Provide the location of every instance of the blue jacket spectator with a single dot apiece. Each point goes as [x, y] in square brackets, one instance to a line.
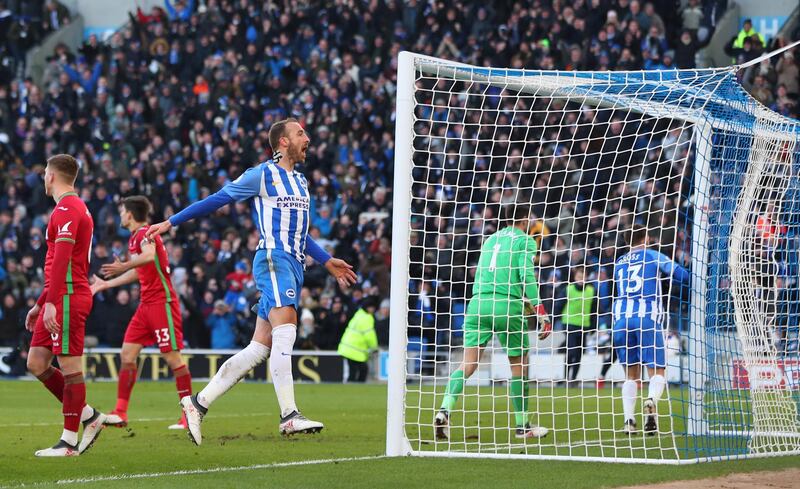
[222, 324]
[88, 78]
[181, 11]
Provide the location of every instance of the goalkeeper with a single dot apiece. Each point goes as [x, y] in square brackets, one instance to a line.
[504, 296]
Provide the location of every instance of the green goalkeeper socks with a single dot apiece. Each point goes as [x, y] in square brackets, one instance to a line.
[454, 388]
[518, 388]
[519, 395]
[525, 397]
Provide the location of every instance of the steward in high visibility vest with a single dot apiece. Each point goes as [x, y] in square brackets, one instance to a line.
[748, 32]
[748, 44]
[359, 340]
[578, 310]
[579, 316]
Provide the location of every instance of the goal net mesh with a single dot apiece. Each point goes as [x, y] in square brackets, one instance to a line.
[688, 155]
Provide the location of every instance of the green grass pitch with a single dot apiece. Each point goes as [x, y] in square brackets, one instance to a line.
[242, 431]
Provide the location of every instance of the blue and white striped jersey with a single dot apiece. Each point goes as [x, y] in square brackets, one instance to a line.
[280, 202]
[637, 284]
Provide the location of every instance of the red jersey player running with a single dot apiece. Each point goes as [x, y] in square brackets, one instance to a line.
[158, 318]
[58, 320]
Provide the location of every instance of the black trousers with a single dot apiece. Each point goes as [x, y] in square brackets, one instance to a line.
[576, 337]
[358, 371]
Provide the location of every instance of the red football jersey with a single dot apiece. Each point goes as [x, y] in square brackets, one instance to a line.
[70, 221]
[154, 277]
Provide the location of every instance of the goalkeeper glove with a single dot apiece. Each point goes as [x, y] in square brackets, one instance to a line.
[545, 326]
[542, 320]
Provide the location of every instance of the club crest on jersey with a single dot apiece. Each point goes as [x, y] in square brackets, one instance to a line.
[65, 228]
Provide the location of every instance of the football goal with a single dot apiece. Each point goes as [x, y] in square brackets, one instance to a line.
[688, 155]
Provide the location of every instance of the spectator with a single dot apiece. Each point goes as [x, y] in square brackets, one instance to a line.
[222, 325]
[784, 104]
[692, 17]
[55, 16]
[749, 50]
[761, 91]
[156, 15]
[332, 318]
[238, 281]
[655, 19]
[306, 331]
[14, 364]
[207, 304]
[685, 51]
[789, 74]
[635, 14]
[322, 220]
[12, 317]
[382, 324]
[181, 11]
[655, 44]
[122, 312]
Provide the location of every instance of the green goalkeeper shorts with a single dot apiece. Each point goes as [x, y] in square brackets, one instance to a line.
[489, 315]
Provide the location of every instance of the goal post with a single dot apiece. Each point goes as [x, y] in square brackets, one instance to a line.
[690, 156]
[696, 347]
[396, 442]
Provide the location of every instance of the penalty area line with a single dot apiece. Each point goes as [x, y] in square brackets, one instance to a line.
[215, 470]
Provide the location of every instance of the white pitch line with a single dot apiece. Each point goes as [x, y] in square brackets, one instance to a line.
[171, 418]
[622, 437]
[151, 475]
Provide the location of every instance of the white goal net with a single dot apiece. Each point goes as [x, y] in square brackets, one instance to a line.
[688, 159]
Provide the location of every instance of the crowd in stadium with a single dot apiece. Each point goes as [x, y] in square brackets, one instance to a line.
[180, 100]
[24, 24]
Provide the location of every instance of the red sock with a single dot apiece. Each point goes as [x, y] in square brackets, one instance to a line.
[127, 379]
[183, 381]
[74, 400]
[53, 379]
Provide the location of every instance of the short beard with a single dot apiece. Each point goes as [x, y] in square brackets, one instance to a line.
[296, 155]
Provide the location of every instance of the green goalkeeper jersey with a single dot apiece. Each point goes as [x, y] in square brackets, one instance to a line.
[506, 266]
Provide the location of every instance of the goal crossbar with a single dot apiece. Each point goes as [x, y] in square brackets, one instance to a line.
[680, 95]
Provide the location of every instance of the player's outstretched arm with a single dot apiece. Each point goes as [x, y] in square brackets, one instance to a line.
[672, 269]
[158, 228]
[340, 269]
[147, 255]
[99, 285]
[246, 186]
[198, 209]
